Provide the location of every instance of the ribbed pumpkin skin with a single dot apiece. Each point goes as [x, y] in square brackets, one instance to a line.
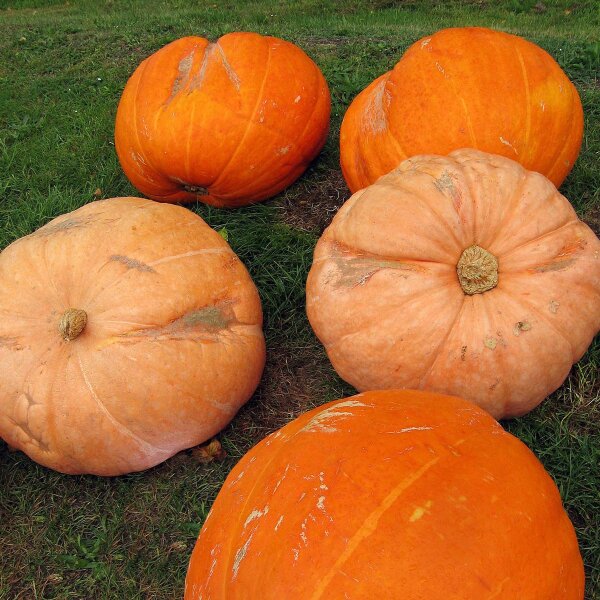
[399, 495]
[172, 348]
[239, 119]
[384, 298]
[465, 87]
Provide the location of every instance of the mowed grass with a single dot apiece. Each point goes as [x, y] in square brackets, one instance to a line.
[62, 69]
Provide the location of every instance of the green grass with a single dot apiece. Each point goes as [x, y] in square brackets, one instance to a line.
[62, 68]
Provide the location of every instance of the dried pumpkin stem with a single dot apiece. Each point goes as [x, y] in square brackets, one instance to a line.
[72, 323]
[196, 189]
[477, 270]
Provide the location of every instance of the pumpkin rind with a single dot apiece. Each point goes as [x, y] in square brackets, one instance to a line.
[170, 347]
[391, 494]
[227, 123]
[385, 299]
[467, 87]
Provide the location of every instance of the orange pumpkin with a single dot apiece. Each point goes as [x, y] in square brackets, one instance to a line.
[465, 275]
[466, 87]
[391, 494]
[129, 330]
[227, 123]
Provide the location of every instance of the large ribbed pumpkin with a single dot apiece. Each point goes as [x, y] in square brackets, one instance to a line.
[129, 330]
[465, 87]
[465, 275]
[228, 123]
[397, 495]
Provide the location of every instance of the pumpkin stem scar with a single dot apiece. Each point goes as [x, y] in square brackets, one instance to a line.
[477, 270]
[195, 189]
[72, 323]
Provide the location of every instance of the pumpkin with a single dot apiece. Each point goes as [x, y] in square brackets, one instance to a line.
[389, 494]
[129, 331]
[227, 123]
[466, 87]
[465, 275]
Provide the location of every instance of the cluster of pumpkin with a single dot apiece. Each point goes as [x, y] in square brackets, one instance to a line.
[452, 270]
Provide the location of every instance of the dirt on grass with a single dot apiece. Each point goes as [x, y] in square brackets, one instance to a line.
[592, 218]
[310, 205]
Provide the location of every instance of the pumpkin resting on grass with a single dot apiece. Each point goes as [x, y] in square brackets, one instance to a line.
[227, 123]
[465, 87]
[465, 275]
[392, 494]
[129, 330]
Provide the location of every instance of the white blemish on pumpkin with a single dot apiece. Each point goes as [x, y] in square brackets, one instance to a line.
[239, 556]
[302, 496]
[542, 106]
[425, 42]
[374, 117]
[279, 522]
[553, 306]
[297, 99]
[284, 149]
[441, 70]
[317, 423]
[321, 503]
[296, 553]
[282, 478]
[255, 514]
[420, 511]
[507, 143]
[423, 428]
[138, 158]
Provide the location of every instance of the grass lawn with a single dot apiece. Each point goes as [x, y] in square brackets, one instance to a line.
[63, 66]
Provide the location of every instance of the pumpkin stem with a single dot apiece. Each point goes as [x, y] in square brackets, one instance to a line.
[477, 270]
[196, 189]
[72, 323]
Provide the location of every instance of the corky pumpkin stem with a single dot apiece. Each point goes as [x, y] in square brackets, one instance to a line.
[72, 323]
[477, 270]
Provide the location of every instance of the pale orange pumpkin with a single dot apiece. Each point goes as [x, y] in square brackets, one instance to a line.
[398, 495]
[129, 331]
[465, 275]
[227, 123]
[465, 87]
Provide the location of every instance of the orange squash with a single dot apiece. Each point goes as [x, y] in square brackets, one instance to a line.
[391, 494]
[227, 123]
[465, 275]
[129, 331]
[466, 87]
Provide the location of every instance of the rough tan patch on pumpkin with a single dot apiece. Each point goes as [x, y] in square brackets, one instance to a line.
[564, 258]
[7, 341]
[202, 324]
[67, 225]
[199, 78]
[521, 326]
[490, 343]
[359, 270]
[183, 74]
[132, 263]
